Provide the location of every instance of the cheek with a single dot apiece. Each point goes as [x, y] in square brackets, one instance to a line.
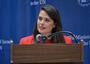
[50, 27]
[37, 24]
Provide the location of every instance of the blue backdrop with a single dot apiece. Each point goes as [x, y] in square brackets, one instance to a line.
[17, 18]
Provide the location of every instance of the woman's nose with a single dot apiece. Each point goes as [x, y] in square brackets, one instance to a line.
[42, 21]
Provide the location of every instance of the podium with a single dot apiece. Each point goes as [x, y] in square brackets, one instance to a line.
[48, 53]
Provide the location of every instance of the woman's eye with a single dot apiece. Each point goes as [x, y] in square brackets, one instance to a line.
[40, 18]
[47, 20]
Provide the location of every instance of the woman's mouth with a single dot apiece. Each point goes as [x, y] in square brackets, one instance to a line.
[41, 28]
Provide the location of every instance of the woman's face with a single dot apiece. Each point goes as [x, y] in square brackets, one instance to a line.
[44, 24]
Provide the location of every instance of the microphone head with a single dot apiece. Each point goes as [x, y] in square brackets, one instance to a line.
[40, 38]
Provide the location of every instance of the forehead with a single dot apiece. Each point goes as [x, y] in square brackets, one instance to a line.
[43, 13]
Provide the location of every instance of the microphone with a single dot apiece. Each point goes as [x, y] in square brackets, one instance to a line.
[40, 38]
[65, 32]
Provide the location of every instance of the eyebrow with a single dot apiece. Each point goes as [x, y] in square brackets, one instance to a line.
[45, 17]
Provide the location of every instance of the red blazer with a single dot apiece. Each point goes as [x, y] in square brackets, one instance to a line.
[30, 40]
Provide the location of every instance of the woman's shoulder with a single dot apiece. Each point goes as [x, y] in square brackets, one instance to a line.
[27, 40]
[67, 39]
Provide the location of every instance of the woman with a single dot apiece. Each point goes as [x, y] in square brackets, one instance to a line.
[48, 22]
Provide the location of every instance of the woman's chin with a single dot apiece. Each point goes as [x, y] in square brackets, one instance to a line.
[42, 32]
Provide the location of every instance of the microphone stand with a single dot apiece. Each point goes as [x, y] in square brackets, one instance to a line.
[61, 32]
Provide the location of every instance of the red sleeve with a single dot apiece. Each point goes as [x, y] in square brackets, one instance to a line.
[68, 40]
[27, 40]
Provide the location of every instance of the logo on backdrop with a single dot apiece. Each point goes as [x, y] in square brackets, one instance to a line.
[83, 3]
[85, 38]
[38, 2]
